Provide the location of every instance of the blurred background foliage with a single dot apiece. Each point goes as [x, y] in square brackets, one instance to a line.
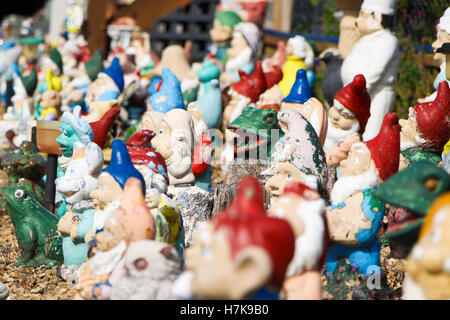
[415, 28]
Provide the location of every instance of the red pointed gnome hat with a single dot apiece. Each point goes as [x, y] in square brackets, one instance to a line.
[355, 97]
[273, 76]
[245, 87]
[385, 147]
[102, 126]
[433, 117]
[258, 78]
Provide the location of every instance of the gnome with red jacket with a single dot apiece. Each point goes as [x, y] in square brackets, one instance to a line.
[355, 216]
[427, 129]
[304, 209]
[347, 120]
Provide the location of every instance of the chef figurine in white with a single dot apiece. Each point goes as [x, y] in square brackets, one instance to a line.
[375, 55]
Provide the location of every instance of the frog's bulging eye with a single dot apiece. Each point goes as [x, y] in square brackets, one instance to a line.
[269, 119]
[19, 193]
[431, 184]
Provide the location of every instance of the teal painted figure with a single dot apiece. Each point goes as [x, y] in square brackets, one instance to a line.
[35, 228]
[210, 104]
[76, 185]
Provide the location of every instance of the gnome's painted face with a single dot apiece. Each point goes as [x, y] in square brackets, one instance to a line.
[108, 190]
[67, 139]
[441, 37]
[341, 117]
[220, 32]
[101, 85]
[238, 44]
[358, 161]
[409, 133]
[286, 172]
[368, 22]
[113, 233]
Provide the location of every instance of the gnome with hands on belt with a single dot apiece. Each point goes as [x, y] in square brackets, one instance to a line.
[376, 56]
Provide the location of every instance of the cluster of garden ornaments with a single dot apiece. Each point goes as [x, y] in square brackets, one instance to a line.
[227, 179]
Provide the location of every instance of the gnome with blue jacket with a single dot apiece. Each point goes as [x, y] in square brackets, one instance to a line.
[104, 92]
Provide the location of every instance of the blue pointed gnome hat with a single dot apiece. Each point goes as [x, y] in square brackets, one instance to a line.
[81, 127]
[169, 96]
[114, 71]
[300, 91]
[120, 167]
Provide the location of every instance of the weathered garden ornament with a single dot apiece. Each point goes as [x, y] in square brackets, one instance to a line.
[375, 56]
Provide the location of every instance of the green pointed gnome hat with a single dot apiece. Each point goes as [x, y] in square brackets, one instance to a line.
[95, 65]
[228, 18]
[30, 82]
[57, 59]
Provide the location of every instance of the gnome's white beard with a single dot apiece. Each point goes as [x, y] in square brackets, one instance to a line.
[346, 186]
[309, 246]
[101, 216]
[182, 286]
[336, 135]
[104, 261]
[243, 58]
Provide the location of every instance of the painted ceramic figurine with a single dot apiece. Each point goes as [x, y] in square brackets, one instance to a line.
[298, 156]
[410, 193]
[304, 209]
[169, 96]
[300, 100]
[35, 228]
[347, 120]
[297, 52]
[246, 255]
[355, 215]
[209, 105]
[427, 128]
[221, 34]
[79, 180]
[155, 264]
[427, 275]
[375, 55]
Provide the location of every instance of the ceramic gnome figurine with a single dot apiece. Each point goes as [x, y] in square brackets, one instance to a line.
[246, 255]
[304, 209]
[221, 34]
[22, 98]
[297, 56]
[347, 120]
[110, 186]
[102, 128]
[169, 96]
[427, 276]
[104, 92]
[427, 128]
[300, 100]
[78, 181]
[355, 216]
[50, 104]
[298, 156]
[241, 54]
[442, 36]
[375, 55]
[130, 222]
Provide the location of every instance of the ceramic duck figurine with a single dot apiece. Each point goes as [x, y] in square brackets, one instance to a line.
[304, 209]
[206, 73]
[210, 105]
[347, 120]
[78, 181]
[243, 231]
[355, 215]
[169, 96]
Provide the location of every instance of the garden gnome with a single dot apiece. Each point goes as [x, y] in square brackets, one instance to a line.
[104, 92]
[50, 104]
[221, 34]
[52, 69]
[300, 100]
[78, 181]
[355, 216]
[22, 99]
[110, 185]
[298, 156]
[100, 128]
[347, 120]
[442, 36]
[428, 123]
[174, 140]
[130, 222]
[169, 96]
[296, 51]
[73, 128]
[155, 264]
[375, 55]
[241, 54]
[246, 256]
[304, 209]
[427, 276]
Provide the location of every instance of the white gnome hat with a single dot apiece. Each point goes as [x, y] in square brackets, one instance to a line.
[444, 22]
[299, 45]
[250, 32]
[379, 6]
